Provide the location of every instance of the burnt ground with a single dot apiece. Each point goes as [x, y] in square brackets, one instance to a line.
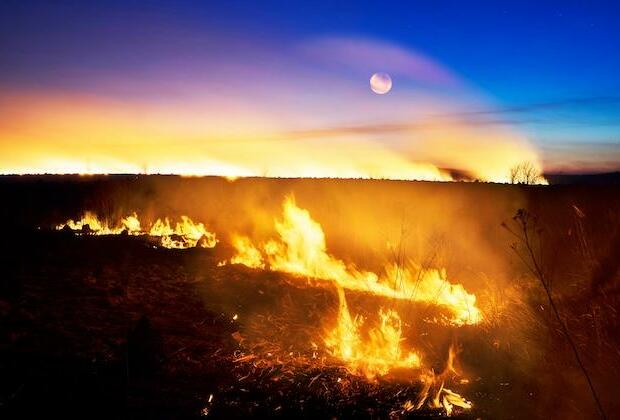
[113, 327]
[102, 326]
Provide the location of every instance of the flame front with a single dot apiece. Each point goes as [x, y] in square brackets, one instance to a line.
[91, 224]
[247, 254]
[184, 234]
[367, 350]
[381, 353]
[301, 250]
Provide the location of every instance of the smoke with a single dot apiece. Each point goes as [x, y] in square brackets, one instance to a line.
[309, 114]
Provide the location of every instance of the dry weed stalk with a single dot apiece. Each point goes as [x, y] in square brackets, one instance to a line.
[528, 230]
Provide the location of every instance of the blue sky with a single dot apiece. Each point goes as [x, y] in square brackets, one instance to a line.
[549, 69]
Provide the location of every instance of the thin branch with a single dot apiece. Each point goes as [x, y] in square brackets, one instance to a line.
[522, 218]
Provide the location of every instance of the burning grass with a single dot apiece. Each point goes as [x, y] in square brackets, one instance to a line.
[271, 357]
[288, 326]
[301, 250]
[369, 352]
[180, 235]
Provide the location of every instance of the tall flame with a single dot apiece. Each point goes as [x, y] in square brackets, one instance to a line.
[370, 351]
[376, 355]
[301, 250]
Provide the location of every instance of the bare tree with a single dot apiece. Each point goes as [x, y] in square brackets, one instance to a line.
[525, 173]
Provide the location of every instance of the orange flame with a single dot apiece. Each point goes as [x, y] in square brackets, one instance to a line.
[377, 350]
[301, 250]
[185, 234]
[375, 356]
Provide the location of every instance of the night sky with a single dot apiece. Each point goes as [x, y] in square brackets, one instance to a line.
[208, 74]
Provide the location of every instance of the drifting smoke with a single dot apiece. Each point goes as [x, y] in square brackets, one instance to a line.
[340, 131]
[302, 250]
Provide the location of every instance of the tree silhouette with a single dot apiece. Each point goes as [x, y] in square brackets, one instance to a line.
[525, 173]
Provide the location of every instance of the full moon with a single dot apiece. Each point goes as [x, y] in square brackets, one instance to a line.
[380, 83]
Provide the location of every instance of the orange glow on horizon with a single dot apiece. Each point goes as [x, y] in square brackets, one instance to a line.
[61, 134]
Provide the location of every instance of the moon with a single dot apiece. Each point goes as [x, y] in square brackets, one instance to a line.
[380, 83]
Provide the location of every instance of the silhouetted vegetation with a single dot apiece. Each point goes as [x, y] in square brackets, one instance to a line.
[525, 173]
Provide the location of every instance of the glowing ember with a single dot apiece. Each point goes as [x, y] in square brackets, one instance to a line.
[184, 234]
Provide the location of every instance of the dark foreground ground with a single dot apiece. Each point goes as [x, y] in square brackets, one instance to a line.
[112, 327]
[103, 328]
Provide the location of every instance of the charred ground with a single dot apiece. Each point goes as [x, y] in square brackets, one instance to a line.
[114, 327]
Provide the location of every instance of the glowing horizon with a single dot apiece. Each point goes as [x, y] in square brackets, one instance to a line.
[51, 131]
[202, 100]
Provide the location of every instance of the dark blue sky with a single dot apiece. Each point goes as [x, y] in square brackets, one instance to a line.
[557, 61]
[520, 50]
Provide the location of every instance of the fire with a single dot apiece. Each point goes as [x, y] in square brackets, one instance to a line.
[91, 223]
[381, 352]
[247, 254]
[301, 250]
[184, 234]
[375, 356]
[434, 394]
[131, 223]
[364, 349]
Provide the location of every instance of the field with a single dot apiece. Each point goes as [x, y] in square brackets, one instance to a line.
[118, 326]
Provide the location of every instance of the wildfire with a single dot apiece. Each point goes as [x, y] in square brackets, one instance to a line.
[91, 224]
[369, 351]
[184, 234]
[434, 394]
[301, 250]
[381, 353]
[375, 356]
[247, 254]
